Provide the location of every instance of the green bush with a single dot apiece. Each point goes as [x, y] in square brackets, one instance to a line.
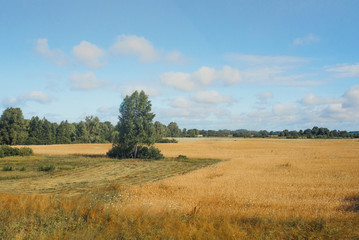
[25, 151]
[149, 153]
[143, 152]
[120, 151]
[6, 151]
[182, 157]
[46, 168]
[7, 168]
[166, 140]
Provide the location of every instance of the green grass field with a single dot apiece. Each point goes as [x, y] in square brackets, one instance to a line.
[71, 174]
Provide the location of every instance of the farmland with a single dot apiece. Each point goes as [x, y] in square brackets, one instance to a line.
[261, 188]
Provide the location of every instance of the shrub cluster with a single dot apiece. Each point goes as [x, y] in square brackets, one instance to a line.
[6, 151]
[7, 168]
[166, 140]
[46, 168]
[143, 152]
[149, 153]
[182, 157]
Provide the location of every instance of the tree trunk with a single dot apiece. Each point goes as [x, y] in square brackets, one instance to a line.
[135, 154]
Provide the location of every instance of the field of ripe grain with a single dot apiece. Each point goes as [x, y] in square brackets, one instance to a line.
[267, 189]
[263, 177]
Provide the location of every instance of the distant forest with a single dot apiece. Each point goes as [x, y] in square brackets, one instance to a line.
[16, 130]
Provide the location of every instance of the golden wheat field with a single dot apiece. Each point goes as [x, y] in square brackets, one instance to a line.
[262, 177]
[262, 188]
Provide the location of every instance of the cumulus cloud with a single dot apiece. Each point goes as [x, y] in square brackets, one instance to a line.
[10, 102]
[229, 75]
[277, 76]
[306, 40]
[283, 109]
[343, 108]
[181, 102]
[351, 97]
[273, 70]
[176, 57]
[265, 60]
[127, 45]
[210, 97]
[85, 81]
[345, 70]
[54, 55]
[263, 97]
[34, 96]
[205, 75]
[201, 78]
[313, 99]
[89, 54]
[179, 80]
[150, 91]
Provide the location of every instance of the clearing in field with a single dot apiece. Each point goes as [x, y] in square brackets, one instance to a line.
[266, 189]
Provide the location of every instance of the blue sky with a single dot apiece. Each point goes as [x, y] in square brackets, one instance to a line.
[271, 65]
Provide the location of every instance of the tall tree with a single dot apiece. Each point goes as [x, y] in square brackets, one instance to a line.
[135, 124]
[160, 130]
[93, 127]
[65, 133]
[12, 127]
[173, 130]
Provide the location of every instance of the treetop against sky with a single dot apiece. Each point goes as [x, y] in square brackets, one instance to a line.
[204, 64]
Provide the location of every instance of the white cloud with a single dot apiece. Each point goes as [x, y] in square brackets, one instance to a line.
[210, 97]
[284, 109]
[181, 102]
[277, 76]
[343, 108]
[54, 55]
[345, 70]
[179, 80]
[150, 91]
[306, 40]
[205, 75]
[351, 97]
[312, 99]
[201, 78]
[126, 45]
[10, 102]
[263, 97]
[85, 81]
[34, 96]
[229, 75]
[265, 60]
[89, 54]
[176, 57]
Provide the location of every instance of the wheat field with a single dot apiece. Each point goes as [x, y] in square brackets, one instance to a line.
[262, 177]
[264, 189]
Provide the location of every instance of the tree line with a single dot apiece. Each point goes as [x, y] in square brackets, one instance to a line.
[315, 132]
[16, 130]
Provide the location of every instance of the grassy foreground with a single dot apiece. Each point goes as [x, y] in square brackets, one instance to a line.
[86, 217]
[269, 189]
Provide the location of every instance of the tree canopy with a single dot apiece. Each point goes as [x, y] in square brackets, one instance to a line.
[13, 127]
[135, 127]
